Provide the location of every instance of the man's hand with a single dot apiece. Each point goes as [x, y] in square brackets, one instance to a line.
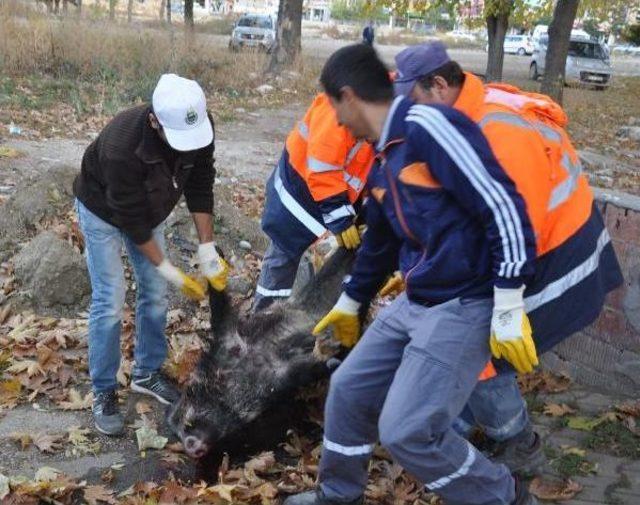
[213, 267]
[349, 238]
[182, 281]
[344, 320]
[394, 286]
[511, 331]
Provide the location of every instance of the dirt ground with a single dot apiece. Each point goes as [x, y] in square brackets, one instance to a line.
[246, 151]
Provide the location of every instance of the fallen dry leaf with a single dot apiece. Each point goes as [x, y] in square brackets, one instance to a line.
[558, 410]
[542, 381]
[148, 438]
[47, 474]
[47, 443]
[10, 392]
[75, 401]
[94, 495]
[9, 152]
[556, 490]
[631, 408]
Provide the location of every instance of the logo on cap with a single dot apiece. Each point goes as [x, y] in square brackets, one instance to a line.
[192, 116]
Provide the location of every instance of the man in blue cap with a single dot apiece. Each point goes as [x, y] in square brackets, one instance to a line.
[526, 134]
[443, 211]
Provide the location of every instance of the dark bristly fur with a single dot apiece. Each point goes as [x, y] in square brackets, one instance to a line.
[253, 366]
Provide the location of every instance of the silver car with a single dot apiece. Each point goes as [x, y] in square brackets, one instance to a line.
[254, 30]
[587, 62]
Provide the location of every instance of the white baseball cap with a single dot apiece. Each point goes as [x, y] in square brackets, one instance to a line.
[181, 109]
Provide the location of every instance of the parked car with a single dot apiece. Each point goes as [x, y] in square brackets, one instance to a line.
[587, 62]
[518, 44]
[461, 35]
[626, 49]
[255, 31]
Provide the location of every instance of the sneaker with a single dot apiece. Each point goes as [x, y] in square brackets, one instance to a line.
[520, 456]
[157, 385]
[523, 496]
[106, 413]
[317, 498]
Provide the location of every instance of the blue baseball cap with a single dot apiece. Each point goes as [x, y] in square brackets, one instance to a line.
[417, 61]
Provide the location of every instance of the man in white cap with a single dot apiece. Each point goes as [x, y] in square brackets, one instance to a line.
[132, 176]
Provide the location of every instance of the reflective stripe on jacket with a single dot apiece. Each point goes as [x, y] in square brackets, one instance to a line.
[526, 133]
[576, 265]
[442, 210]
[318, 182]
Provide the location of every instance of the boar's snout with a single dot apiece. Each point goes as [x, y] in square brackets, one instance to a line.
[195, 447]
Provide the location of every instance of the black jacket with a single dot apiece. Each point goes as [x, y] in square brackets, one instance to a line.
[132, 179]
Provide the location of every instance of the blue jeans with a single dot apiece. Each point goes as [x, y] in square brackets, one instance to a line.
[103, 251]
[496, 405]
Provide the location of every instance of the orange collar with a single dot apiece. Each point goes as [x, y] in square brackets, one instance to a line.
[471, 97]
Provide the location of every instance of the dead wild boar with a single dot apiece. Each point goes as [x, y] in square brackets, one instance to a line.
[254, 365]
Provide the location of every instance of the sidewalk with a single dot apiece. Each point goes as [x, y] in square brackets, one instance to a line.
[606, 478]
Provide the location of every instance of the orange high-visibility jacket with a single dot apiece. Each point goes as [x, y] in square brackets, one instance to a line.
[576, 265]
[329, 159]
[318, 182]
[526, 133]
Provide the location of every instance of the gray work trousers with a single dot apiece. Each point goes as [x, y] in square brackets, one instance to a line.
[276, 279]
[404, 384]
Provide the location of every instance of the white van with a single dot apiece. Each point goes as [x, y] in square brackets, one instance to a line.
[587, 62]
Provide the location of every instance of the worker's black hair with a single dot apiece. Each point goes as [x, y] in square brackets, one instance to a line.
[450, 72]
[359, 67]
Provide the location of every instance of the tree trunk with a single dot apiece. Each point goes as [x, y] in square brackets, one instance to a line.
[188, 15]
[497, 25]
[169, 11]
[161, 12]
[112, 9]
[559, 36]
[288, 32]
[129, 10]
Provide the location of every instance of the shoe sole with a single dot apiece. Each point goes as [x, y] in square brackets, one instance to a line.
[148, 392]
[109, 434]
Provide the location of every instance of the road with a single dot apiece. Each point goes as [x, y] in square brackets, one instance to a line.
[515, 67]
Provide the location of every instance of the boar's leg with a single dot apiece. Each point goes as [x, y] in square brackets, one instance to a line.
[320, 294]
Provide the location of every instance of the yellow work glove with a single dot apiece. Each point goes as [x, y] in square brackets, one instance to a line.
[349, 238]
[343, 317]
[213, 266]
[511, 337]
[189, 286]
[394, 286]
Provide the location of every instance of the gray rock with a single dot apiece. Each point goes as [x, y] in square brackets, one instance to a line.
[265, 89]
[244, 244]
[53, 275]
[35, 199]
[630, 132]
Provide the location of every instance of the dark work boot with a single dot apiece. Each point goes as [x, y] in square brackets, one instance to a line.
[317, 498]
[106, 413]
[157, 385]
[522, 454]
[523, 496]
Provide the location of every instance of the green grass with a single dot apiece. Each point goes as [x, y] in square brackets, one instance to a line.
[614, 438]
[568, 464]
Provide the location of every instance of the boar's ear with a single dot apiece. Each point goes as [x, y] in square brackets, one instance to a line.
[221, 311]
